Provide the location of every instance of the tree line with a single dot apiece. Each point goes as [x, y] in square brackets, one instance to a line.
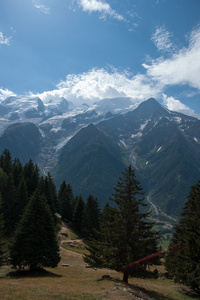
[28, 206]
[29, 203]
[18, 184]
[119, 235]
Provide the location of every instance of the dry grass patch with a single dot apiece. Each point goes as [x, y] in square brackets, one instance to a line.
[73, 282]
[78, 282]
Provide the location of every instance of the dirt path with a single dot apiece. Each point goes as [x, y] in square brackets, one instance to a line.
[64, 236]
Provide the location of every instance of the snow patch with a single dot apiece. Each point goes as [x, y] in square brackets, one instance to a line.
[142, 126]
[123, 143]
[42, 133]
[55, 130]
[159, 149]
[139, 134]
[178, 119]
[63, 143]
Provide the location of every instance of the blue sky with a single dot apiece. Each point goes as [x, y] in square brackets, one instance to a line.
[86, 50]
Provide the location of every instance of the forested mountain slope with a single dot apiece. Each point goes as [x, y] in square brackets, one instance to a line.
[163, 146]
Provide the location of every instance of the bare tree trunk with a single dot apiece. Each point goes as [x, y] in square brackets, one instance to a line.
[125, 278]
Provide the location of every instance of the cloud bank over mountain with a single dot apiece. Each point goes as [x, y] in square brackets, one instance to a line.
[179, 67]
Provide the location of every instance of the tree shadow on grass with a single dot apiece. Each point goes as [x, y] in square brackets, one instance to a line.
[159, 296]
[32, 273]
[192, 293]
[136, 290]
[151, 294]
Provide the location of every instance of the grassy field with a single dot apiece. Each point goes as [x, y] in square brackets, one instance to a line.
[78, 282]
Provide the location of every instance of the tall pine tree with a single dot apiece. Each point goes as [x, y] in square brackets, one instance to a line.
[182, 261]
[125, 235]
[2, 253]
[48, 188]
[65, 201]
[77, 216]
[6, 161]
[91, 217]
[31, 175]
[34, 243]
[9, 199]
[21, 199]
[17, 171]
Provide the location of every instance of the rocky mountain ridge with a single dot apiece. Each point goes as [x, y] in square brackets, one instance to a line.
[163, 146]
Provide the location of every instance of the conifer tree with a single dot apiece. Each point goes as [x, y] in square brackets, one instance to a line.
[78, 213]
[31, 175]
[52, 190]
[125, 235]
[34, 243]
[47, 187]
[17, 171]
[6, 161]
[8, 192]
[21, 198]
[2, 253]
[91, 217]
[182, 260]
[65, 201]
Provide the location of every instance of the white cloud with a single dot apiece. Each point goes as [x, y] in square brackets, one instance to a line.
[42, 8]
[5, 93]
[4, 40]
[103, 83]
[101, 7]
[162, 39]
[175, 105]
[183, 67]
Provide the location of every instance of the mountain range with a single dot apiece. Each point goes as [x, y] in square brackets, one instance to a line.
[89, 147]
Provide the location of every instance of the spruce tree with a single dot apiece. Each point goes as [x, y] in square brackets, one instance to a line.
[8, 192]
[91, 217]
[47, 187]
[34, 243]
[6, 161]
[182, 260]
[2, 253]
[125, 234]
[65, 201]
[78, 213]
[21, 198]
[31, 175]
[17, 171]
[52, 191]
[104, 214]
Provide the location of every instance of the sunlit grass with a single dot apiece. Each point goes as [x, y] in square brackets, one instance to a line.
[75, 281]
[72, 234]
[77, 248]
